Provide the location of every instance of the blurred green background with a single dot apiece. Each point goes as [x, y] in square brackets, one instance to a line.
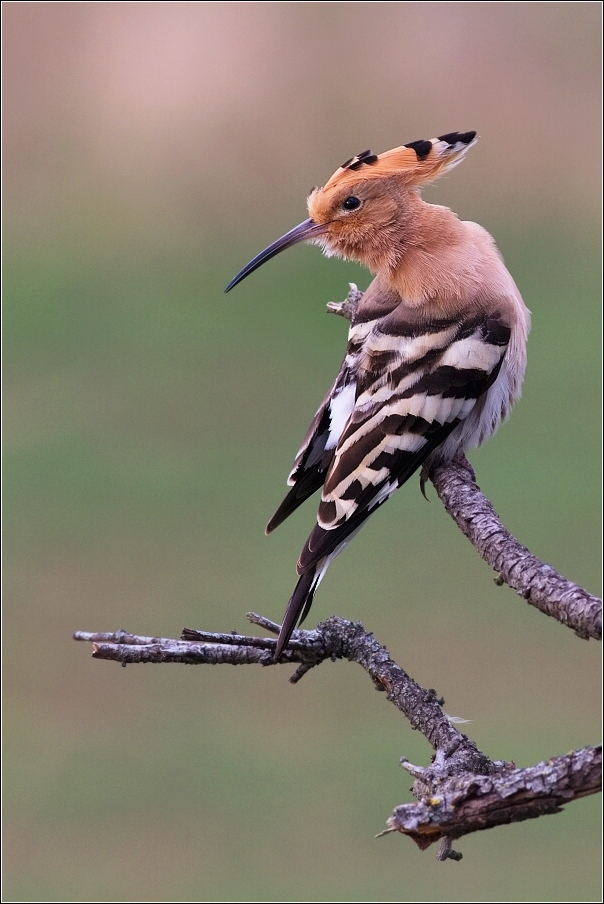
[151, 149]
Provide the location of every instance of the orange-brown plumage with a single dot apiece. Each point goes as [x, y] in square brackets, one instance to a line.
[436, 348]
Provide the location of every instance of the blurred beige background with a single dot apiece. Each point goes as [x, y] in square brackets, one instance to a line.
[150, 150]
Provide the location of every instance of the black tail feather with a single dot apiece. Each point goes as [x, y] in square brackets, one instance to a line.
[298, 494]
[297, 609]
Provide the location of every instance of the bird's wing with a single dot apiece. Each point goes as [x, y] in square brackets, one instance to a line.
[318, 447]
[414, 385]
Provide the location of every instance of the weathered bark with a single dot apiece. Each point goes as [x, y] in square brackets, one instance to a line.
[537, 582]
[470, 803]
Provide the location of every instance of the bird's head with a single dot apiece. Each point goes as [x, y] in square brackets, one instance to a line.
[363, 211]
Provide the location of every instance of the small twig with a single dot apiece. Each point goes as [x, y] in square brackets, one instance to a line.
[263, 622]
[346, 308]
[445, 850]
[119, 637]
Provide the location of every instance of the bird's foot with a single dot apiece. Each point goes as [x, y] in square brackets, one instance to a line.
[463, 462]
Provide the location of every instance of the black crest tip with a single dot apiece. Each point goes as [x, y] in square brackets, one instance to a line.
[422, 148]
[452, 138]
[357, 162]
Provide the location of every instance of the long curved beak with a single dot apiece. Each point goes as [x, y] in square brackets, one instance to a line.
[300, 233]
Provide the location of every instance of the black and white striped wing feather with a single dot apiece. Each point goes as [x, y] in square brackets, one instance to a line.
[317, 450]
[412, 385]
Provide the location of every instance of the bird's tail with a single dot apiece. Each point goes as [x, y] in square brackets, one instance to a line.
[313, 566]
[299, 605]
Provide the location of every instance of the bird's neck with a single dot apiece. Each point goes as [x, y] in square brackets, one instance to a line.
[438, 257]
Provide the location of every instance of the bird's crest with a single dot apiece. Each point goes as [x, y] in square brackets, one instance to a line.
[417, 162]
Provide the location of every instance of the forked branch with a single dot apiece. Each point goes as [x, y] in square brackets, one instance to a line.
[462, 791]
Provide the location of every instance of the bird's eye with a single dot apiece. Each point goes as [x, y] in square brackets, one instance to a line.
[351, 203]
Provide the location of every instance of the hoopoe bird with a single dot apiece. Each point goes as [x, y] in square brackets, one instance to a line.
[436, 348]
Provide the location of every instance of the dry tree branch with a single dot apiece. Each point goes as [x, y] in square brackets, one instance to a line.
[462, 791]
[538, 583]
